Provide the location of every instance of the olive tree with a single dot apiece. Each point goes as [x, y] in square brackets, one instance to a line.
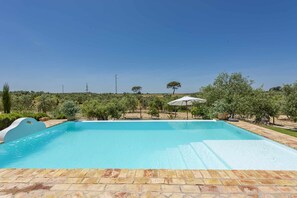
[45, 102]
[290, 101]
[231, 88]
[102, 110]
[130, 102]
[262, 105]
[22, 102]
[95, 109]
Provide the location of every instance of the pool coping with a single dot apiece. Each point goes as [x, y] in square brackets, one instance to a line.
[148, 120]
[267, 133]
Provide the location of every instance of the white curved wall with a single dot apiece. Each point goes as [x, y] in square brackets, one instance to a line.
[20, 128]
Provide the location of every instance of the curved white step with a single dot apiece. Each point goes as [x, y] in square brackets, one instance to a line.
[175, 159]
[190, 157]
[210, 160]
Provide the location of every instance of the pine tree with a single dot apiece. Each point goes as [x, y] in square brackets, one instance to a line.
[6, 99]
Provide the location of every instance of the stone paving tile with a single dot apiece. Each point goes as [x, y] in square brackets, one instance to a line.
[170, 188]
[194, 181]
[230, 182]
[190, 188]
[212, 181]
[151, 188]
[208, 189]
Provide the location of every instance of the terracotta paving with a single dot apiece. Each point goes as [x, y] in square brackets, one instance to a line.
[122, 183]
[146, 183]
[50, 123]
[268, 133]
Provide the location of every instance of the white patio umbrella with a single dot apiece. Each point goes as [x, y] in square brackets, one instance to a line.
[186, 101]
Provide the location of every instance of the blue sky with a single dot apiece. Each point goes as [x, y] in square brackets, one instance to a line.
[44, 44]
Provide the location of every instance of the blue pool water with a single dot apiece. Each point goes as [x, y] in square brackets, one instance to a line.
[153, 144]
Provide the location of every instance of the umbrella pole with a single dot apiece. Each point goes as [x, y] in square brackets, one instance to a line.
[187, 110]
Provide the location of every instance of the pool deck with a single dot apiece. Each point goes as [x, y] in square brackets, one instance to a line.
[50, 123]
[153, 183]
[146, 183]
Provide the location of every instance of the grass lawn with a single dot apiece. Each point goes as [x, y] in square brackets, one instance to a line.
[285, 131]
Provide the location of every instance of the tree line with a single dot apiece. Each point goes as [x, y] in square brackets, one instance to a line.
[230, 95]
[234, 95]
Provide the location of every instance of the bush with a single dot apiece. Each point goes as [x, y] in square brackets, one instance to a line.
[130, 102]
[95, 109]
[200, 110]
[57, 114]
[69, 109]
[36, 116]
[60, 116]
[114, 111]
[103, 111]
[156, 102]
[153, 111]
[8, 119]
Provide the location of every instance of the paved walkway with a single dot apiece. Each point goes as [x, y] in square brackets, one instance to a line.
[146, 183]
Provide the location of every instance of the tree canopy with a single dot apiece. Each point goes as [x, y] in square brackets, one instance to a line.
[173, 85]
[290, 101]
[137, 89]
[230, 89]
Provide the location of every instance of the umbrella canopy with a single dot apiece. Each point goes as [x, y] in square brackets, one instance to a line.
[186, 101]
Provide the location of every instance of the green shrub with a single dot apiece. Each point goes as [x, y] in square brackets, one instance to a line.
[153, 111]
[103, 111]
[114, 111]
[59, 116]
[36, 116]
[130, 102]
[200, 110]
[95, 109]
[8, 119]
[69, 109]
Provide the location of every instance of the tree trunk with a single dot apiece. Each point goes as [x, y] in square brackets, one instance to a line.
[140, 112]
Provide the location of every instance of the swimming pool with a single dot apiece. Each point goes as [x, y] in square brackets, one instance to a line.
[147, 144]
